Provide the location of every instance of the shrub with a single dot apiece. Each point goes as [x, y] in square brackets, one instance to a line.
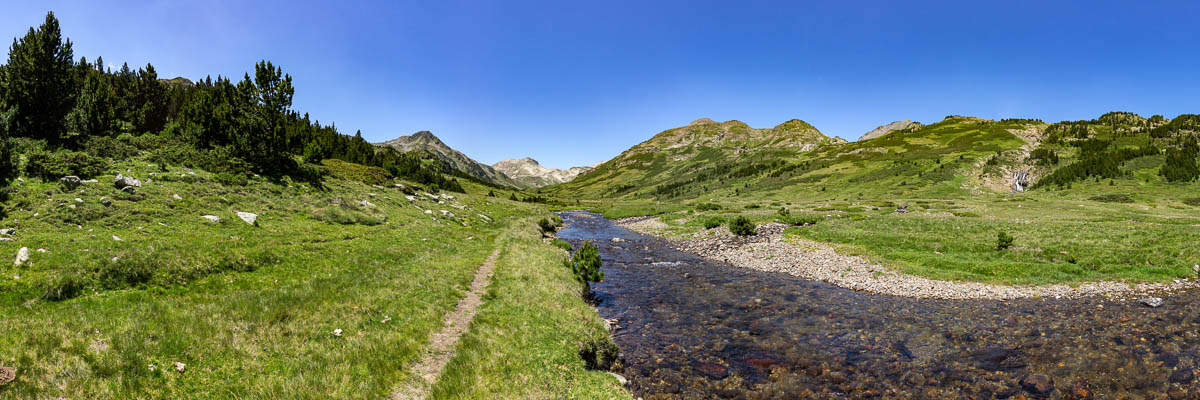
[713, 222]
[1003, 240]
[356, 172]
[742, 226]
[1192, 201]
[64, 287]
[707, 207]
[51, 166]
[546, 226]
[586, 263]
[599, 352]
[563, 244]
[110, 147]
[234, 179]
[752, 206]
[783, 212]
[1112, 198]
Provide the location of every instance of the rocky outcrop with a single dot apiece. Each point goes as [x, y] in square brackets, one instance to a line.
[904, 125]
[122, 182]
[426, 142]
[1020, 181]
[22, 257]
[70, 182]
[529, 172]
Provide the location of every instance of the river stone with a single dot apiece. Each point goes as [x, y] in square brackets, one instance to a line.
[8, 232]
[250, 218]
[122, 182]
[447, 214]
[620, 379]
[211, 218]
[70, 182]
[1038, 384]
[1152, 302]
[1183, 376]
[177, 197]
[364, 203]
[22, 257]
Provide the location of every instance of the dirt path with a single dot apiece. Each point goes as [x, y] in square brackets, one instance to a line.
[443, 343]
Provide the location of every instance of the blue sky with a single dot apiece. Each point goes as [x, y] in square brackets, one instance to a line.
[577, 82]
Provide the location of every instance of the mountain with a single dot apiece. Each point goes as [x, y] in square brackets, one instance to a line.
[528, 172]
[426, 142]
[889, 128]
[953, 158]
[700, 151]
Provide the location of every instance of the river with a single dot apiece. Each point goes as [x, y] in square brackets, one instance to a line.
[691, 328]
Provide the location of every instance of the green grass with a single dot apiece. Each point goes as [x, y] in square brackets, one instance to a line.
[524, 342]
[250, 310]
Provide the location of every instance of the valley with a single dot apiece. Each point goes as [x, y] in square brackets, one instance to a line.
[197, 238]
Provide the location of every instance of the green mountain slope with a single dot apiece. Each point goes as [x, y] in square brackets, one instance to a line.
[956, 157]
[703, 150]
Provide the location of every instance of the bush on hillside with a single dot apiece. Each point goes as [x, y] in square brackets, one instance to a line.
[53, 165]
[707, 207]
[712, 222]
[356, 172]
[742, 226]
[586, 263]
[547, 226]
[1003, 240]
[1192, 201]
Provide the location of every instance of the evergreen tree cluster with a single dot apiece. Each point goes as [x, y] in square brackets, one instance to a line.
[46, 95]
[1180, 165]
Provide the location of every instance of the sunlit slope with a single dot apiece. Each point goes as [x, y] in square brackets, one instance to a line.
[693, 153]
[706, 159]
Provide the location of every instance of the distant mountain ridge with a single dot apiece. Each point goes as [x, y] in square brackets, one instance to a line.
[700, 150]
[425, 141]
[529, 172]
[905, 125]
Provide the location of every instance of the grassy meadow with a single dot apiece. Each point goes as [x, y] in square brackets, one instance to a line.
[251, 311]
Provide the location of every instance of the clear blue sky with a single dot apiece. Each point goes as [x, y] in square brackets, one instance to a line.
[577, 82]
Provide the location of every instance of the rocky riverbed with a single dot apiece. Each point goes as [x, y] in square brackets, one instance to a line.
[770, 250]
[692, 327]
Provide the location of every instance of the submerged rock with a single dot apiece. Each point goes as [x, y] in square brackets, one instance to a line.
[1152, 302]
[1038, 384]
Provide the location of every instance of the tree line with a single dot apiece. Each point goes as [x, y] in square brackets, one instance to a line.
[48, 96]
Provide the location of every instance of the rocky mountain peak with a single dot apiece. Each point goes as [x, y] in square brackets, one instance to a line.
[889, 128]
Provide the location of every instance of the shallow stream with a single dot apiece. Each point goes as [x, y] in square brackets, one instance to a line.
[694, 328]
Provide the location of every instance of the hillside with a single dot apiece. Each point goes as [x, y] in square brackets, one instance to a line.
[958, 156]
[425, 142]
[530, 173]
[701, 151]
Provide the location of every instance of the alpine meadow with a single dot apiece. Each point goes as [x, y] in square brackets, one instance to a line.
[200, 236]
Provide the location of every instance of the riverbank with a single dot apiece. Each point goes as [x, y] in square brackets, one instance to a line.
[770, 250]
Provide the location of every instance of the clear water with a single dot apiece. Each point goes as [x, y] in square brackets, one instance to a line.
[694, 328]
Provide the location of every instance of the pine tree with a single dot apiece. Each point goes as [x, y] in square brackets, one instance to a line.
[38, 83]
[263, 139]
[150, 102]
[94, 108]
[8, 164]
